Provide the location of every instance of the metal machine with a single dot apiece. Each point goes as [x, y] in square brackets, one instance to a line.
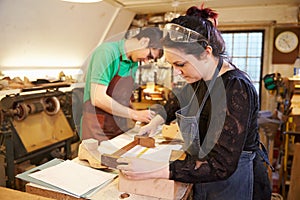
[33, 124]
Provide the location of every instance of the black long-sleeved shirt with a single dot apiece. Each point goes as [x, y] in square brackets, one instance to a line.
[229, 119]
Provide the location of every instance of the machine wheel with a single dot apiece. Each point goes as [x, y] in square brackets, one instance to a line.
[21, 112]
[51, 105]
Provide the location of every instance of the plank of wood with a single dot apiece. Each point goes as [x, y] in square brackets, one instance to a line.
[45, 192]
[8, 194]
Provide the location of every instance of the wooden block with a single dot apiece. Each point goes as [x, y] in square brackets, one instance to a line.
[145, 141]
[158, 188]
[177, 155]
[171, 132]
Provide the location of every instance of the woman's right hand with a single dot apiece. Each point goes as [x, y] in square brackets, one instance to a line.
[148, 129]
[151, 128]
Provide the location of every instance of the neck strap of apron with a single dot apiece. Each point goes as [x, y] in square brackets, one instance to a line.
[119, 66]
[211, 84]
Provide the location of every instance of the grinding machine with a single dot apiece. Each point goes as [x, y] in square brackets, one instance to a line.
[34, 124]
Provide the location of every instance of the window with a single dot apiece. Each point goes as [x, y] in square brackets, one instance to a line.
[245, 50]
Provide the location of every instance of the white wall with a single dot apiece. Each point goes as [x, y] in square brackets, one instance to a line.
[53, 34]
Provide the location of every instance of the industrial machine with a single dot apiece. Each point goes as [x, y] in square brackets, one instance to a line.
[34, 123]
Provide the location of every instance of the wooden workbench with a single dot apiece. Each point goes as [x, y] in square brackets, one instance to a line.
[9, 194]
[109, 192]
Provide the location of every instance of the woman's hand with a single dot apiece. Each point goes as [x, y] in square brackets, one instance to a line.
[139, 168]
[150, 129]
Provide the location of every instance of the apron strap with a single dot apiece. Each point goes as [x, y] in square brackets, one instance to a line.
[211, 84]
[121, 59]
[264, 154]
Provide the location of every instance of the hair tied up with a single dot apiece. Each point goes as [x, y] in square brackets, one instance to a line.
[205, 13]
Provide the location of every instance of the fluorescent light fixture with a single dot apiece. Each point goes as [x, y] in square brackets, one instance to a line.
[83, 1]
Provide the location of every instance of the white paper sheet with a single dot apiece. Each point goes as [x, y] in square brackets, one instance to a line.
[160, 153]
[73, 177]
[111, 146]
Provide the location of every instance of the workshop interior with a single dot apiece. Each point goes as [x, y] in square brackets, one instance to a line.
[44, 54]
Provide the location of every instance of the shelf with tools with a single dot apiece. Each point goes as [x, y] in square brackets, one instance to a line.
[290, 138]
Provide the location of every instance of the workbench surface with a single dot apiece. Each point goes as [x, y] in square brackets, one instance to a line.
[9, 194]
[109, 191]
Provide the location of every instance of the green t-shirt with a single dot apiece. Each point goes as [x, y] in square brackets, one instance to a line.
[104, 65]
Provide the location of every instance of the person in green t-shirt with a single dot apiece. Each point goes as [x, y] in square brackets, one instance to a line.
[109, 84]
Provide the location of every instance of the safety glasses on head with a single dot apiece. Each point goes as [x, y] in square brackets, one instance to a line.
[179, 33]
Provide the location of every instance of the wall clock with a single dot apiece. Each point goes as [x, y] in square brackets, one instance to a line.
[286, 42]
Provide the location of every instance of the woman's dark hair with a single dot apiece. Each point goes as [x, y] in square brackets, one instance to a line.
[199, 20]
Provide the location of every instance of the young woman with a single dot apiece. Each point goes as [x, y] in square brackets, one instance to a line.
[216, 112]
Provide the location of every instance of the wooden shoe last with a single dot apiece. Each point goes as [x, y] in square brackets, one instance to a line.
[88, 150]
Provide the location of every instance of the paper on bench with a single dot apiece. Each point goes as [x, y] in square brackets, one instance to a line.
[73, 177]
[159, 153]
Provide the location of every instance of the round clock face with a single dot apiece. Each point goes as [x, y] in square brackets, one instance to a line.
[286, 42]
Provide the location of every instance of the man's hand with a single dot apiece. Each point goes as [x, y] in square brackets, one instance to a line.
[142, 115]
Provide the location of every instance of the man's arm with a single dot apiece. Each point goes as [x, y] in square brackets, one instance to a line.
[100, 99]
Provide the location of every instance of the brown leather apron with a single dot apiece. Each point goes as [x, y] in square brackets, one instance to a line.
[100, 125]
